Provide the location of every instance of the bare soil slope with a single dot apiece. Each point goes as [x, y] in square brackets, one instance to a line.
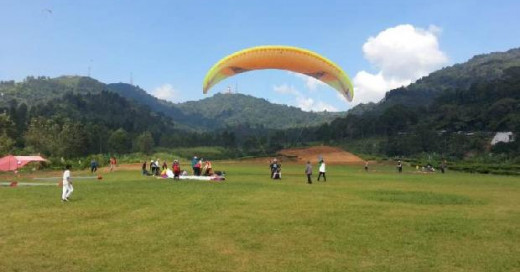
[331, 155]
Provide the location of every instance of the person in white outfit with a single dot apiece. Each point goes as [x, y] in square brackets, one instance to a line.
[322, 171]
[67, 184]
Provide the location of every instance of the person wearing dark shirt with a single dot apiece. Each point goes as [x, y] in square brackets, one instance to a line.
[308, 172]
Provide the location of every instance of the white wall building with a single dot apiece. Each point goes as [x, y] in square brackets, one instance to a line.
[504, 137]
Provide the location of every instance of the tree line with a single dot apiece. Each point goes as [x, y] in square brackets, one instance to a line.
[457, 122]
[77, 125]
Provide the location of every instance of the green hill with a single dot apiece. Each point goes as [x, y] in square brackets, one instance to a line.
[228, 110]
[35, 90]
[216, 112]
[479, 69]
[453, 112]
[81, 124]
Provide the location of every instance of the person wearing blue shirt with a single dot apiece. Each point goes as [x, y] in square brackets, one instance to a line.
[93, 166]
[194, 162]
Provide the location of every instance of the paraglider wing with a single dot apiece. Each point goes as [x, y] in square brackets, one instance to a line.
[284, 58]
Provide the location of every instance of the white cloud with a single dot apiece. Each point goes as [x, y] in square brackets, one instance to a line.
[167, 92]
[402, 54]
[305, 103]
[310, 82]
[302, 101]
[372, 88]
[308, 104]
[285, 89]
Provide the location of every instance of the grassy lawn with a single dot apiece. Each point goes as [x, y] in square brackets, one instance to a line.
[356, 221]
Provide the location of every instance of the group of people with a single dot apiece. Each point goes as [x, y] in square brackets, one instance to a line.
[321, 169]
[94, 164]
[429, 167]
[201, 167]
[156, 170]
[275, 166]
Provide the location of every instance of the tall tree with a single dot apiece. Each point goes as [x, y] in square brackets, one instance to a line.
[145, 143]
[73, 140]
[43, 135]
[7, 128]
[119, 142]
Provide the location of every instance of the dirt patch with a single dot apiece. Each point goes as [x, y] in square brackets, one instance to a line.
[331, 155]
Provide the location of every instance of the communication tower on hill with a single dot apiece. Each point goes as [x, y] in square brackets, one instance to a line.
[89, 67]
[229, 90]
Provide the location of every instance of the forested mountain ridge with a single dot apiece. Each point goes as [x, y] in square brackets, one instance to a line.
[81, 124]
[35, 90]
[226, 110]
[230, 110]
[215, 112]
[453, 112]
[422, 93]
[140, 96]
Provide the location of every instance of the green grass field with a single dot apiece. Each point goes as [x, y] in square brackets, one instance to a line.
[356, 221]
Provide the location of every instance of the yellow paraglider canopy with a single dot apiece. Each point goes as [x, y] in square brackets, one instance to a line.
[280, 57]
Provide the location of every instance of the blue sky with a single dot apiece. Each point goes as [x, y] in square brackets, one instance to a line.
[166, 47]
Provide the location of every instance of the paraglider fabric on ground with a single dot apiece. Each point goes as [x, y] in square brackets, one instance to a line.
[168, 173]
[11, 163]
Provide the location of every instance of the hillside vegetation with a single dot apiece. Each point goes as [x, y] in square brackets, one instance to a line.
[479, 69]
[452, 113]
[229, 110]
[216, 112]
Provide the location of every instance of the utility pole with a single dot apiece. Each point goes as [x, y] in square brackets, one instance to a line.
[89, 67]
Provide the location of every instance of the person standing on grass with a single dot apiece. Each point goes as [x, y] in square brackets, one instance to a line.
[157, 167]
[176, 169]
[193, 163]
[93, 166]
[274, 167]
[208, 168]
[113, 163]
[322, 171]
[366, 166]
[144, 172]
[198, 167]
[399, 166]
[443, 166]
[67, 184]
[308, 172]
